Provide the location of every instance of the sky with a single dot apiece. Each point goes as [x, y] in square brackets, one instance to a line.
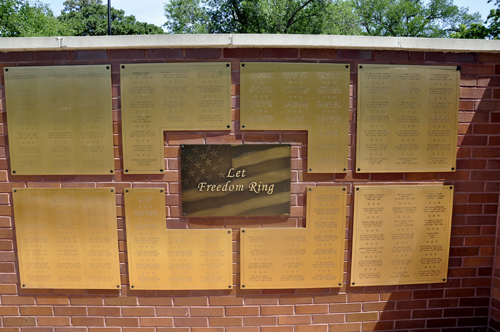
[152, 11]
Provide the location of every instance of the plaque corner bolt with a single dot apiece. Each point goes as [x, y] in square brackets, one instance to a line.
[359, 169]
[6, 69]
[453, 168]
[24, 285]
[15, 190]
[229, 286]
[310, 189]
[353, 284]
[183, 213]
[344, 189]
[117, 286]
[243, 231]
[126, 190]
[243, 126]
[132, 286]
[357, 189]
[107, 67]
[161, 170]
[161, 190]
[242, 286]
[126, 171]
[340, 284]
[451, 187]
[228, 127]
[228, 232]
[123, 67]
[459, 68]
[360, 67]
[227, 65]
[310, 169]
[13, 172]
[112, 190]
[444, 279]
[345, 170]
[243, 65]
[111, 171]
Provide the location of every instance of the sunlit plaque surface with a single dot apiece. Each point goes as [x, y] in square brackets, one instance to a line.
[236, 180]
[170, 96]
[299, 258]
[407, 118]
[59, 119]
[401, 235]
[301, 96]
[67, 238]
[177, 258]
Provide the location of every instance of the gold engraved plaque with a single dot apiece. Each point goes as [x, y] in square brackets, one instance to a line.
[176, 258]
[407, 118]
[59, 119]
[401, 235]
[157, 97]
[301, 96]
[67, 238]
[236, 180]
[299, 258]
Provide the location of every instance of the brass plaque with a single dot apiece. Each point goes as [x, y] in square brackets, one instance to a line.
[401, 235]
[301, 96]
[59, 119]
[156, 97]
[236, 180]
[67, 238]
[299, 258]
[407, 118]
[176, 258]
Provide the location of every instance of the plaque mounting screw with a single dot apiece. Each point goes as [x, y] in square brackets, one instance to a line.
[360, 67]
[353, 284]
[161, 190]
[340, 284]
[343, 189]
[183, 213]
[444, 279]
[24, 285]
[117, 286]
[7, 69]
[243, 231]
[357, 189]
[229, 286]
[123, 67]
[161, 170]
[227, 65]
[347, 66]
[228, 126]
[453, 168]
[228, 232]
[112, 191]
[107, 67]
[359, 169]
[242, 286]
[459, 68]
[310, 189]
[310, 169]
[111, 171]
[13, 172]
[126, 171]
[243, 126]
[243, 65]
[132, 286]
[451, 187]
[15, 191]
[126, 190]
[345, 170]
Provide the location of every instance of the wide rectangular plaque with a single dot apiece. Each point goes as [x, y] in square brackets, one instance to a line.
[299, 258]
[59, 119]
[301, 96]
[160, 258]
[236, 180]
[401, 235]
[407, 118]
[156, 97]
[67, 238]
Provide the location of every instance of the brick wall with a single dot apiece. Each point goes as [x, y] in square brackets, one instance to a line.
[469, 301]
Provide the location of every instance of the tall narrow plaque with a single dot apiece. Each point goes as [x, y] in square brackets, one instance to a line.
[299, 258]
[401, 235]
[67, 238]
[407, 118]
[301, 96]
[170, 96]
[177, 258]
[59, 119]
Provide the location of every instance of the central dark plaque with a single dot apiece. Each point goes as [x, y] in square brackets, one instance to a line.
[235, 180]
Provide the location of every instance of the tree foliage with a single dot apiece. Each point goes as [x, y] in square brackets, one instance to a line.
[261, 16]
[412, 18]
[90, 18]
[20, 18]
[480, 30]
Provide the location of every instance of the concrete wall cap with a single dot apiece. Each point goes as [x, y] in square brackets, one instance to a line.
[248, 41]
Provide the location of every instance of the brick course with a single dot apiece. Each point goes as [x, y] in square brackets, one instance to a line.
[469, 301]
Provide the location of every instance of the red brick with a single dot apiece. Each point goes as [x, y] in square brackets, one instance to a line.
[190, 322]
[391, 55]
[311, 328]
[156, 321]
[362, 317]
[120, 321]
[277, 310]
[53, 56]
[443, 322]
[276, 329]
[104, 311]
[294, 320]
[280, 53]
[87, 321]
[53, 321]
[207, 312]
[165, 53]
[90, 55]
[130, 54]
[354, 54]
[226, 321]
[16, 56]
[203, 53]
[19, 321]
[242, 53]
[242, 311]
[260, 321]
[314, 53]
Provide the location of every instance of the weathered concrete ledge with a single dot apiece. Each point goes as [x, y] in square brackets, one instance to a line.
[248, 40]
